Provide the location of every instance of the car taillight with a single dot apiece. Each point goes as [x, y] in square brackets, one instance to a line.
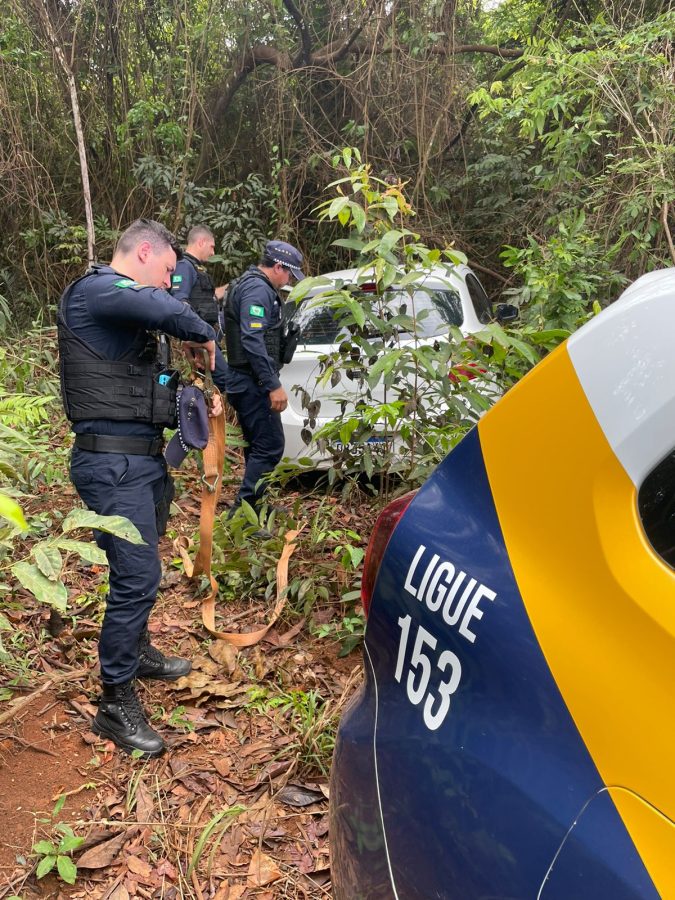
[467, 370]
[383, 530]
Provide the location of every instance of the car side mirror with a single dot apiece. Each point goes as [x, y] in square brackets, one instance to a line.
[506, 312]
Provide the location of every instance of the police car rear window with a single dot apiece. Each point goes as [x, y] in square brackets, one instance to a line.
[656, 505]
[440, 309]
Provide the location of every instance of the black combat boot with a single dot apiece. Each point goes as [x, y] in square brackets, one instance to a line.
[122, 719]
[153, 664]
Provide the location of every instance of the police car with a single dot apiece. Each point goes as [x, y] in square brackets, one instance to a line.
[452, 297]
[514, 736]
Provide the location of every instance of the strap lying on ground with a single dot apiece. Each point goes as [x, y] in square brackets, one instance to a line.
[214, 457]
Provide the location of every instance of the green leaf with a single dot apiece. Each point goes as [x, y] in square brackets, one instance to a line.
[349, 243]
[86, 550]
[384, 364]
[45, 865]
[231, 813]
[5, 624]
[359, 217]
[336, 206]
[10, 510]
[117, 525]
[249, 513]
[58, 806]
[53, 593]
[67, 869]
[70, 842]
[357, 311]
[48, 560]
[389, 240]
[44, 848]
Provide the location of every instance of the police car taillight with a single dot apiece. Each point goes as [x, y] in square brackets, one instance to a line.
[383, 530]
[467, 371]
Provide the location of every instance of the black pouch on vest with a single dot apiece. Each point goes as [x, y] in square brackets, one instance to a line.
[163, 508]
[164, 398]
[289, 342]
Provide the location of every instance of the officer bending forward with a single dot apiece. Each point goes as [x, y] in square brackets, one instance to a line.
[255, 339]
[119, 394]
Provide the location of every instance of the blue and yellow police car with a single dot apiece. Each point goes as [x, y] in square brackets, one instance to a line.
[514, 737]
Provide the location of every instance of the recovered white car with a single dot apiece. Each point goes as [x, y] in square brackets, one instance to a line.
[450, 297]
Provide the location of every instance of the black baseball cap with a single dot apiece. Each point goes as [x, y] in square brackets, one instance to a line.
[286, 254]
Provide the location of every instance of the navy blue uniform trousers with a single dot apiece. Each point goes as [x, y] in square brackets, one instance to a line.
[264, 435]
[117, 484]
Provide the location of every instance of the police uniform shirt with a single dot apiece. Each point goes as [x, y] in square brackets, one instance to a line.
[106, 311]
[185, 277]
[259, 309]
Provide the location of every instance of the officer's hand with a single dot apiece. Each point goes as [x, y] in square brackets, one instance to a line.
[278, 399]
[216, 407]
[192, 351]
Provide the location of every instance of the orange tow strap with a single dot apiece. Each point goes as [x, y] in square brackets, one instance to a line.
[214, 458]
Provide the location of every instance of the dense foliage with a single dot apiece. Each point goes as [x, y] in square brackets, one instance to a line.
[542, 128]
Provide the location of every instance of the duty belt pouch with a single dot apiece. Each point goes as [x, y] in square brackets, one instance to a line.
[289, 342]
[163, 507]
[164, 390]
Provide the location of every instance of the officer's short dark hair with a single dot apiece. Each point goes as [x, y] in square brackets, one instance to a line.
[157, 235]
[267, 262]
[199, 231]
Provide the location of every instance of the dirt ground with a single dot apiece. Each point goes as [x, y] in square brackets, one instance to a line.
[238, 806]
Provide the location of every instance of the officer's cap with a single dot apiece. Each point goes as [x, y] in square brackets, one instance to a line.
[287, 255]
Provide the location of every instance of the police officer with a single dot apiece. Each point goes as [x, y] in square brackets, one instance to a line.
[254, 342]
[192, 283]
[119, 394]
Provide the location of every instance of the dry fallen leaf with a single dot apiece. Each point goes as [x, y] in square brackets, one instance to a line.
[139, 867]
[118, 893]
[166, 870]
[223, 766]
[103, 855]
[236, 891]
[299, 795]
[145, 805]
[263, 870]
[225, 654]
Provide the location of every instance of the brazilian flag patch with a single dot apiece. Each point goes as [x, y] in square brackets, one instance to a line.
[125, 282]
[176, 279]
[258, 311]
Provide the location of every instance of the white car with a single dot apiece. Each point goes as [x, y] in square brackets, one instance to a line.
[452, 297]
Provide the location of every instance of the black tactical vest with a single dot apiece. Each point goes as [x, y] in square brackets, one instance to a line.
[202, 296]
[138, 387]
[272, 336]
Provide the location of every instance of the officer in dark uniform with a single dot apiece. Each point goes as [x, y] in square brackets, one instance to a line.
[192, 283]
[120, 393]
[255, 348]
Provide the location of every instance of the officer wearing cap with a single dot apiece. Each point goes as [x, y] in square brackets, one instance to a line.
[120, 392]
[254, 340]
[192, 283]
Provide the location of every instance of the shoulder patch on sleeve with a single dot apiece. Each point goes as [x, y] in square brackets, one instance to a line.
[176, 279]
[256, 324]
[125, 282]
[258, 311]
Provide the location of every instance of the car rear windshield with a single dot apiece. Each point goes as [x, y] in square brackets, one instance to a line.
[442, 308]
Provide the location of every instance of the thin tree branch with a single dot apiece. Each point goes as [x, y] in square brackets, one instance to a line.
[337, 50]
[77, 121]
[305, 54]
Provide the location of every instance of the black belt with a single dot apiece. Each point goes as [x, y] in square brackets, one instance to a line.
[112, 443]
